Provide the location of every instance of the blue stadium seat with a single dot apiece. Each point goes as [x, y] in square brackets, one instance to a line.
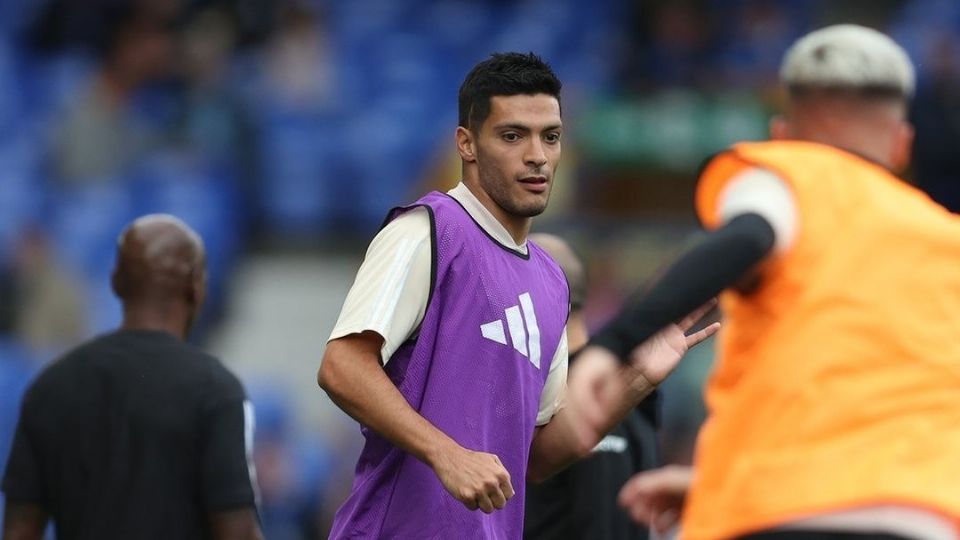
[86, 221]
[48, 84]
[104, 312]
[302, 188]
[11, 106]
[457, 24]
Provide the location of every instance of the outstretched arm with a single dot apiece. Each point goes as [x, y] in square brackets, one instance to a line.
[645, 333]
[725, 258]
[352, 375]
[602, 390]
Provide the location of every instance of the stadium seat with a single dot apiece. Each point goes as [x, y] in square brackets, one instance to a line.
[85, 223]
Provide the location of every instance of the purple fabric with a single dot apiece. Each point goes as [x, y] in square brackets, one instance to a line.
[471, 373]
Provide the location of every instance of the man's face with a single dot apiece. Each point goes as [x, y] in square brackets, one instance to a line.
[518, 150]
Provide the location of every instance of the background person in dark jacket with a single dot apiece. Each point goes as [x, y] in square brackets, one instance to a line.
[581, 501]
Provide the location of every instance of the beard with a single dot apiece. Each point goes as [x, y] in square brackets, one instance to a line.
[496, 185]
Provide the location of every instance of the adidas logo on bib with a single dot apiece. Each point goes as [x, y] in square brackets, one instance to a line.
[523, 329]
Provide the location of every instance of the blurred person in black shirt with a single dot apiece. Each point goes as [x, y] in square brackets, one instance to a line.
[135, 434]
[581, 501]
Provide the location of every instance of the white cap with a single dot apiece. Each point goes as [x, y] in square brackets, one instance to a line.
[848, 56]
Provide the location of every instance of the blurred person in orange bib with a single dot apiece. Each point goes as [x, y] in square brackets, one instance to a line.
[834, 405]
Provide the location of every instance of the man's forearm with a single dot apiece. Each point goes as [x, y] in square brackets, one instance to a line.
[353, 378]
[721, 260]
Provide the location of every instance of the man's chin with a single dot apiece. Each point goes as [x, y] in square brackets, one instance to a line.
[530, 212]
[533, 212]
[535, 207]
[526, 209]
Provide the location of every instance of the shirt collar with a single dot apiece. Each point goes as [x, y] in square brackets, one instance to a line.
[484, 218]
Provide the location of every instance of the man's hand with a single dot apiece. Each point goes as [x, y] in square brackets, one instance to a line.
[656, 497]
[23, 521]
[477, 479]
[656, 357]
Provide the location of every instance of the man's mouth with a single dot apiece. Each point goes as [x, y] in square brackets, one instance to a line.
[534, 180]
[537, 184]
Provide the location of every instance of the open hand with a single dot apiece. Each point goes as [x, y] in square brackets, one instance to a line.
[656, 357]
[477, 479]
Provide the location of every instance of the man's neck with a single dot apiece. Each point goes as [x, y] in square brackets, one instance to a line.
[517, 227]
[135, 318]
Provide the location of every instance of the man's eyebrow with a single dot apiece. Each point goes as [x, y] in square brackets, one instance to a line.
[525, 128]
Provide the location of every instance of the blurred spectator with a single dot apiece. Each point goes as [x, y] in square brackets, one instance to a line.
[673, 39]
[580, 501]
[298, 63]
[50, 307]
[61, 25]
[100, 135]
[211, 121]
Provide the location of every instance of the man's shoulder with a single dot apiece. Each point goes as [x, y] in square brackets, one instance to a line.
[224, 379]
[59, 376]
[208, 367]
[424, 210]
[117, 348]
[62, 366]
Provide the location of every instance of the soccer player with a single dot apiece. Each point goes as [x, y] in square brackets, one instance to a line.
[835, 400]
[581, 500]
[136, 435]
[450, 349]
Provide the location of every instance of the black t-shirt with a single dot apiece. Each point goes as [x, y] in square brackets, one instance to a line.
[133, 435]
[580, 502]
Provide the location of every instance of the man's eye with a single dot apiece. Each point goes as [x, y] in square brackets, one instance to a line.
[552, 137]
[511, 137]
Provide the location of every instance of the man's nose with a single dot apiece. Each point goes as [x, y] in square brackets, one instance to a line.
[535, 155]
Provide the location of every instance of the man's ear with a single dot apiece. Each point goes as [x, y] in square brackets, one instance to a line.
[197, 291]
[116, 283]
[779, 128]
[902, 147]
[466, 145]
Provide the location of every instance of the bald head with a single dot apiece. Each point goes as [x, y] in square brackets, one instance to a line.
[569, 262]
[160, 262]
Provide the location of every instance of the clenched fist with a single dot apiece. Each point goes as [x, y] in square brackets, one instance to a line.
[477, 479]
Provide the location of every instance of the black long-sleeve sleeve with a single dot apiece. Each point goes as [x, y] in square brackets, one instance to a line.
[721, 260]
